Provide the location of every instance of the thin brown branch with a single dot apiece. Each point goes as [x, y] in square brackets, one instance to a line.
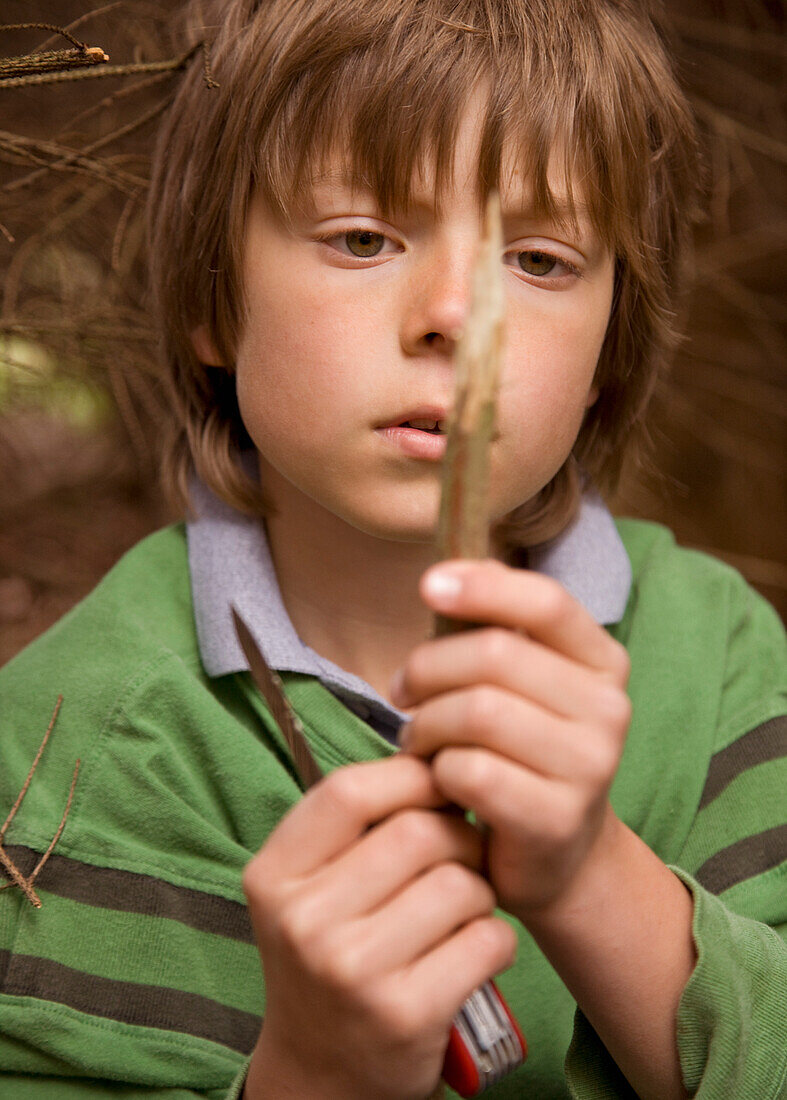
[31, 773]
[18, 879]
[35, 872]
[172, 65]
[55, 61]
[68, 213]
[118, 94]
[84, 18]
[101, 143]
[63, 32]
[72, 159]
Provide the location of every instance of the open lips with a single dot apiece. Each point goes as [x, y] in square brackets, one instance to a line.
[435, 427]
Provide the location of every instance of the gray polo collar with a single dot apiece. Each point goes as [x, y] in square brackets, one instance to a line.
[230, 563]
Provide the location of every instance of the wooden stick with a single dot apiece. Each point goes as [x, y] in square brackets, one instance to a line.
[463, 524]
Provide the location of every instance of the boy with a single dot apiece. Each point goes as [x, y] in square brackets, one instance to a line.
[616, 719]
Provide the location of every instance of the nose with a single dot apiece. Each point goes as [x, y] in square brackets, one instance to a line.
[438, 302]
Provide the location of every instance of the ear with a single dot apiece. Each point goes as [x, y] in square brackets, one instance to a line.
[204, 347]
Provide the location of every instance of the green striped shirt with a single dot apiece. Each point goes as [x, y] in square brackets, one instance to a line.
[138, 975]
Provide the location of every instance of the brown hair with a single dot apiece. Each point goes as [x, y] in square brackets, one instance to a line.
[387, 81]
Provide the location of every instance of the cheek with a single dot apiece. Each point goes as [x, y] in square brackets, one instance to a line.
[550, 366]
[546, 377]
[286, 364]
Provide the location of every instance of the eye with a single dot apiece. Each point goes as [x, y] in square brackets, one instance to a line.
[364, 242]
[361, 242]
[534, 262]
[548, 268]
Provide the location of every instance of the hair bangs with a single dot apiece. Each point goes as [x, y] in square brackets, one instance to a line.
[383, 106]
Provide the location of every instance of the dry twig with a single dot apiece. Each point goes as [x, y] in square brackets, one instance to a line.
[463, 525]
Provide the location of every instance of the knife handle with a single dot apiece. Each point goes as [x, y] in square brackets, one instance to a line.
[485, 1044]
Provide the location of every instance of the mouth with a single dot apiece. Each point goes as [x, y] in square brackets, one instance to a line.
[433, 427]
[420, 433]
[433, 421]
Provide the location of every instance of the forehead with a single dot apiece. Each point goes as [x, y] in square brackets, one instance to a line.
[334, 181]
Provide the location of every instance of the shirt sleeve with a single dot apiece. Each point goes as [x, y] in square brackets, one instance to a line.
[731, 1022]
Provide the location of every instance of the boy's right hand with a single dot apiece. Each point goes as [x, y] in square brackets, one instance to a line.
[374, 927]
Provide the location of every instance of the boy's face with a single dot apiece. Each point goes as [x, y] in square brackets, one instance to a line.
[352, 324]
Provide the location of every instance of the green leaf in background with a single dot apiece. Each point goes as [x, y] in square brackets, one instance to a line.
[31, 381]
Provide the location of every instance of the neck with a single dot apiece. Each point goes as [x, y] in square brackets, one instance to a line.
[352, 597]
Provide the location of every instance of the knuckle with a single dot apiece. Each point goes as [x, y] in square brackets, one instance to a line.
[614, 708]
[413, 829]
[496, 939]
[345, 790]
[482, 710]
[480, 773]
[297, 925]
[554, 603]
[457, 881]
[493, 647]
[343, 967]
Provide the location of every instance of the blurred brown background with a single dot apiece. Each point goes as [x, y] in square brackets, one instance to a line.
[80, 404]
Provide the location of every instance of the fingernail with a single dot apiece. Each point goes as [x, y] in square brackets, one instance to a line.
[443, 586]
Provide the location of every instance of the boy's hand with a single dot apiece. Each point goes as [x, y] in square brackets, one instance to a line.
[525, 722]
[373, 928]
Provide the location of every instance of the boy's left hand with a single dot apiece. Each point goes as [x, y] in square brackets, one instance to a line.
[525, 720]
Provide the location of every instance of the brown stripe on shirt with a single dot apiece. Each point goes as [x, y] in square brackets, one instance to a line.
[746, 858]
[130, 892]
[130, 1002]
[765, 742]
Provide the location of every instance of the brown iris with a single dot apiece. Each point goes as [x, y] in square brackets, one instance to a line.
[363, 242]
[536, 263]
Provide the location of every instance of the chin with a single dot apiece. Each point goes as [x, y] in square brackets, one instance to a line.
[418, 534]
[418, 529]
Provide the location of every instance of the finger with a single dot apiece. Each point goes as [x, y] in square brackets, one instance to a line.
[341, 807]
[442, 980]
[508, 725]
[490, 592]
[388, 857]
[508, 797]
[414, 921]
[504, 658]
